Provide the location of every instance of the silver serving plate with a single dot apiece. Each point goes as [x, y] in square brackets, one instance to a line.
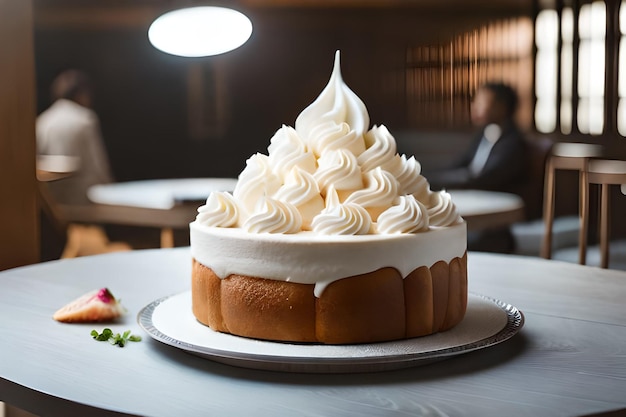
[487, 322]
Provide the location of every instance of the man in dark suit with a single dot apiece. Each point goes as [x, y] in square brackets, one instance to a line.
[497, 158]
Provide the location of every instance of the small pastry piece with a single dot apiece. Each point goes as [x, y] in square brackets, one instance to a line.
[97, 305]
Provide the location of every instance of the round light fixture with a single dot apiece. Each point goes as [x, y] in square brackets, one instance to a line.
[200, 31]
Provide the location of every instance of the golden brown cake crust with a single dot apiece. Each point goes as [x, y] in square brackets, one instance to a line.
[373, 307]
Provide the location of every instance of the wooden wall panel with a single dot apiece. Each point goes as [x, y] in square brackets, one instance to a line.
[19, 241]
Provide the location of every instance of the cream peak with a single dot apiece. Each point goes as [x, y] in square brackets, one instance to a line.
[335, 105]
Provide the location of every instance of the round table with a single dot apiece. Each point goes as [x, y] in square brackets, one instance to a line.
[488, 209]
[567, 360]
[480, 209]
[160, 193]
[164, 203]
[171, 204]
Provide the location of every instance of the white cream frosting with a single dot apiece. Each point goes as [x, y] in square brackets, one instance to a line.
[273, 216]
[407, 216]
[381, 188]
[312, 258]
[442, 211]
[340, 169]
[287, 150]
[220, 210]
[381, 149]
[335, 105]
[256, 181]
[331, 199]
[343, 219]
[301, 190]
[408, 173]
[330, 136]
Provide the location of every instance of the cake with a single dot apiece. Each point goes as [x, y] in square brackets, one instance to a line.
[331, 237]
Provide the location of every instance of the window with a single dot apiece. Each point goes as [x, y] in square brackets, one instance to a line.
[591, 75]
[546, 35]
[576, 63]
[567, 69]
[621, 105]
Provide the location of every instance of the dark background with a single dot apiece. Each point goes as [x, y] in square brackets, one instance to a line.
[141, 93]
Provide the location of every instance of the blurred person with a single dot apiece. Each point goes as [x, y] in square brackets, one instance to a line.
[70, 127]
[497, 158]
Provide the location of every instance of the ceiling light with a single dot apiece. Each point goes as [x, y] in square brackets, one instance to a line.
[200, 31]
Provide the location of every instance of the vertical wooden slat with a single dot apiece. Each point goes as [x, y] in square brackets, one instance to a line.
[446, 75]
[19, 231]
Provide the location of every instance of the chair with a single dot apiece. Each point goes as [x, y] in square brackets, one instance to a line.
[531, 190]
[568, 156]
[81, 239]
[605, 172]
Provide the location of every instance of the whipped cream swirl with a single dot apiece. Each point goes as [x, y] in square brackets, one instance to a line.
[273, 216]
[343, 219]
[408, 174]
[381, 188]
[301, 190]
[340, 169]
[332, 136]
[442, 211]
[381, 149]
[407, 216]
[287, 150]
[331, 175]
[256, 181]
[220, 210]
[335, 105]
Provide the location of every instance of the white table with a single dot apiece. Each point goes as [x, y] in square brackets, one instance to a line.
[488, 209]
[481, 209]
[161, 194]
[568, 359]
[171, 204]
[164, 203]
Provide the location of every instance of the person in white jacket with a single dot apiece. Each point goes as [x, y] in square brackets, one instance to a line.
[70, 127]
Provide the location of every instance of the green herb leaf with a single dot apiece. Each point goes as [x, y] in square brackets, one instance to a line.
[115, 339]
[106, 333]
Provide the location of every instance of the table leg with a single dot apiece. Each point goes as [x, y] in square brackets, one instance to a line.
[548, 210]
[167, 237]
[604, 226]
[583, 211]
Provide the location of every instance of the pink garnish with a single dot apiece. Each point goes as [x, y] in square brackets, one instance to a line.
[105, 295]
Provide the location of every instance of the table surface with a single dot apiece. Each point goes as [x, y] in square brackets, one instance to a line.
[481, 209]
[158, 194]
[488, 209]
[568, 359]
